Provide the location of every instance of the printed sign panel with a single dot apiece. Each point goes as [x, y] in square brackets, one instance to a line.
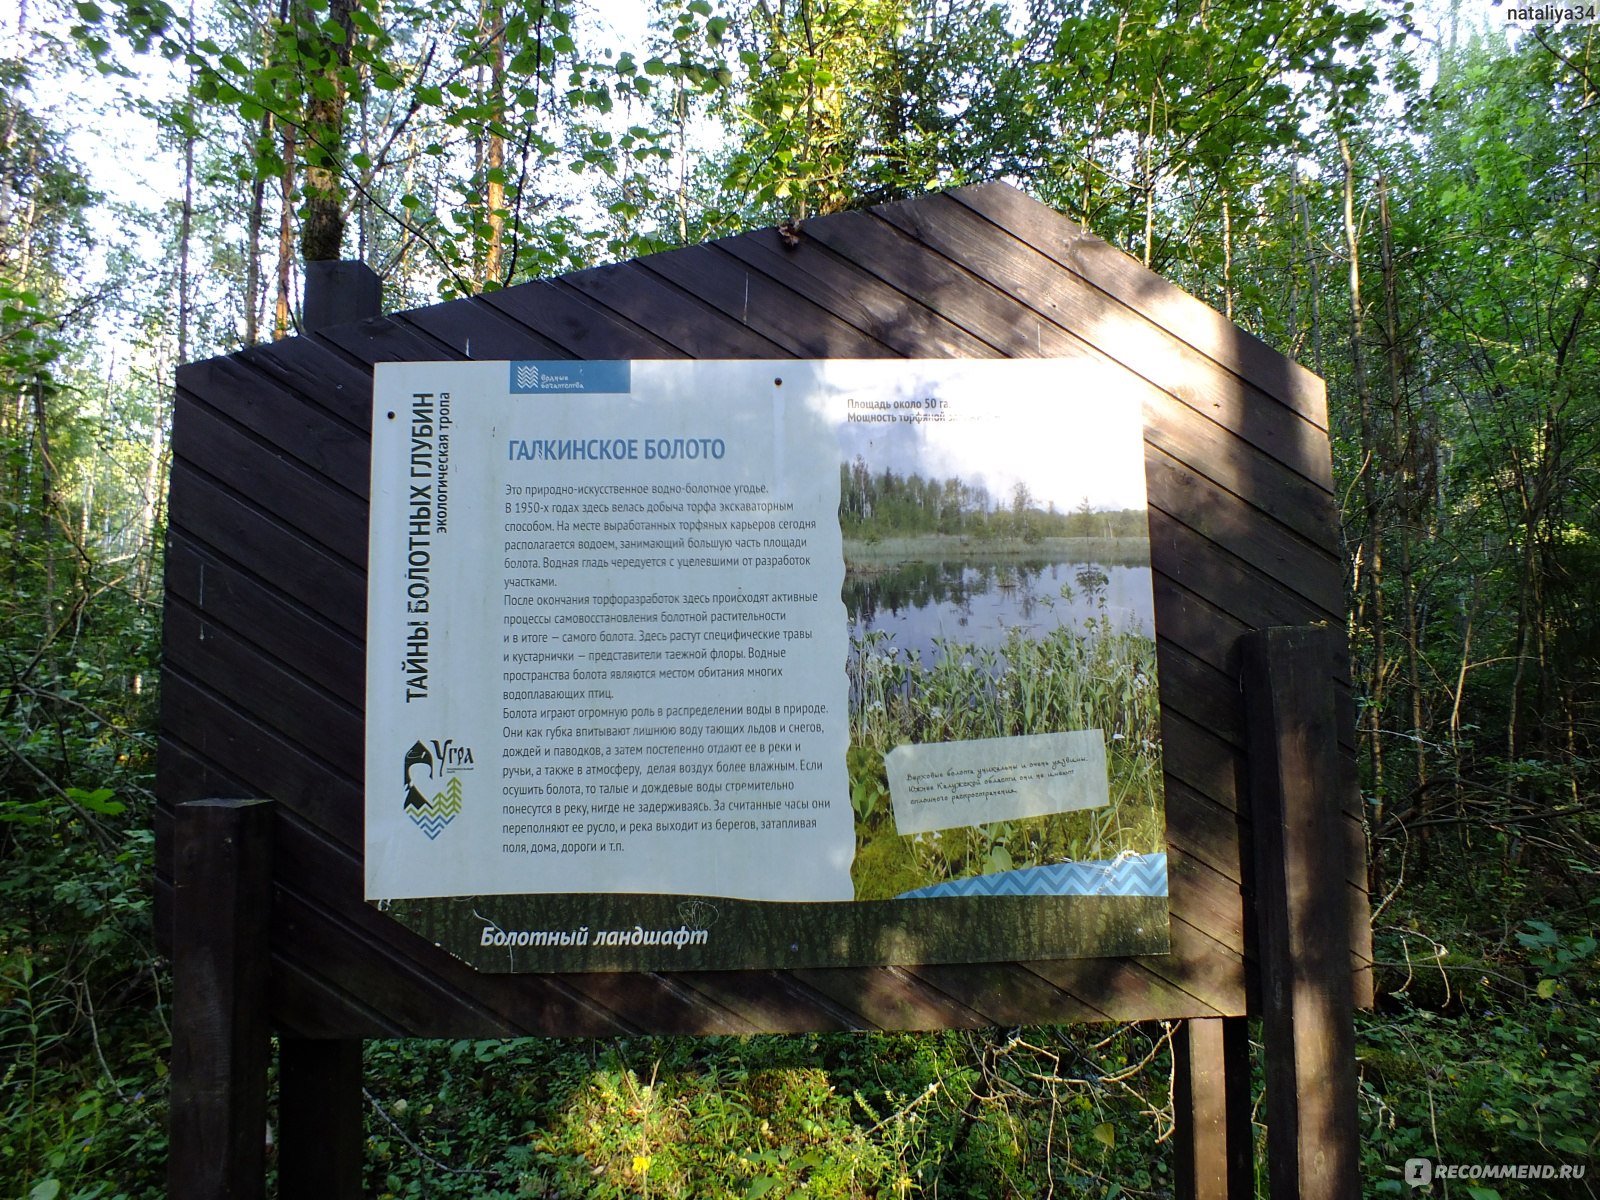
[762, 664]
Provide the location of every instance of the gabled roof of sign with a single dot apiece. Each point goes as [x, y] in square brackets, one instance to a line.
[857, 284]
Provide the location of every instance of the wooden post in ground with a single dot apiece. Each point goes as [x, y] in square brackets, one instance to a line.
[321, 1135]
[222, 894]
[1213, 1143]
[320, 1132]
[1302, 914]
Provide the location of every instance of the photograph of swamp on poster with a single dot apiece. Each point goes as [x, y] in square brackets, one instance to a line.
[997, 584]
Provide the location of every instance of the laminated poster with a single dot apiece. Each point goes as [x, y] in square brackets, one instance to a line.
[720, 664]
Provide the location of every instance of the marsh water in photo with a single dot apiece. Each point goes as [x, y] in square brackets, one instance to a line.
[981, 602]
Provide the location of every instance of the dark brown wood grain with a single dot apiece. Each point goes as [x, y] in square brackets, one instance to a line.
[1123, 334]
[1151, 297]
[267, 599]
[220, 1021]
[321, 1128]
[788, 321]
[581, 328]
[1214, 1148]
[1313, 1135]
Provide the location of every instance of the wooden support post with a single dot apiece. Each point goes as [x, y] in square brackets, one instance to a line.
[222, 893]
[338, 293]
[1302, 905]
[1214, 1142]
[321, 1137]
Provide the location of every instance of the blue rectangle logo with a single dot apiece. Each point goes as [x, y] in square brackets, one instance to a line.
[540, 377]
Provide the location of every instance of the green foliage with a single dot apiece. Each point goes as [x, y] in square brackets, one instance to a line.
[485, 144]
[1487, 1054]
[841, 1117]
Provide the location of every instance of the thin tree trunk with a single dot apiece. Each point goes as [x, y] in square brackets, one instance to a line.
[322, 229]
[286, 189]
[1316, 283]
[495, 175]
[1405, 436]
[1227, 256]
[1372, 537]
[186, 216]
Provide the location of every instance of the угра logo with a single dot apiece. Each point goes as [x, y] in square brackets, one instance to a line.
[433, 783]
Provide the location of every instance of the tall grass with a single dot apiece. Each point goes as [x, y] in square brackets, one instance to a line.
[1088, 677]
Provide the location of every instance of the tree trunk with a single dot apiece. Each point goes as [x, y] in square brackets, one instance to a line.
[494, 192]
[1371, 564]
[322, 227]
[1405, 450]
[286, 189]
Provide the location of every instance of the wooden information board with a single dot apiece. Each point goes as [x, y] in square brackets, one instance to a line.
[266, 616]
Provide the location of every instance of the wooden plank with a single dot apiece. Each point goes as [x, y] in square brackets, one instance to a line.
[1237, 596]
[326, 877]
[235, 531]
[1231, 462]
[264, 478]
[1228, 522]
[1144, 987]
[385, 341]
[657, 1002]
[1201, 761]
[1215, 770]
[1006, 993]
[1200, 685]
[475, 329]
[1206, 898]
[294, 636]
[779, 314]
[304, 1005]
[1173, 484]
[380, 976]
[302, 714]
[266, 762]
[580, 327]
[934, 281]
[1203, 596]
[767, 1000]
[1202, 827]
[1065, 299]
[321, 1136]
[1213, 1142]
[852, 295]
[220, 1035]
[314, 372]
[1121, 984]
[888, 998]
[1313, 1134]
[670, 313]
[1151, 296]
[327, 444]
